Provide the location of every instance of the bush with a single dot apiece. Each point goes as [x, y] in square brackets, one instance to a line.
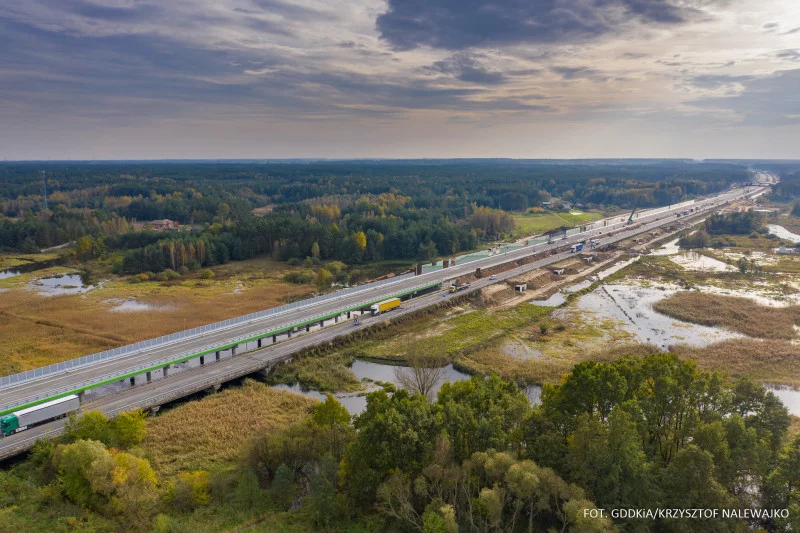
[293, 261]
[301, 277]
[190, 491]
[207, 274]
[183, 270]
[93, 426]
[171, 274]
[140, 278]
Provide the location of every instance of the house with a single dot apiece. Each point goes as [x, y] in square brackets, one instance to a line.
[165, 224]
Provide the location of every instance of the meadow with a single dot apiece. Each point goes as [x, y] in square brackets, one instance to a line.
[537, 223]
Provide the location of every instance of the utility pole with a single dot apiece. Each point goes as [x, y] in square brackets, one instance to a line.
[44, 187]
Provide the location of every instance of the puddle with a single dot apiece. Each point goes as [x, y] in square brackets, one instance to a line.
[10, 273]
[132, 306]
[671, 248]
[554, 301]
[783, 233]
[578, 286]
[790, 398]
[633, 308]
[696, 261]
[603, 274]
[62, 285]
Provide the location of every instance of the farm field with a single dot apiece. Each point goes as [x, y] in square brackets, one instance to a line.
[538, 223]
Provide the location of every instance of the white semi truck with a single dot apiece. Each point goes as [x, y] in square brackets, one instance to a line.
[30, 416]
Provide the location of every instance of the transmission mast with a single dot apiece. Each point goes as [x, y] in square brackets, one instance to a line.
[44, 188]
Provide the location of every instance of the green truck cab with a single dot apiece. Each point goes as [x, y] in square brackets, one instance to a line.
[9, 424]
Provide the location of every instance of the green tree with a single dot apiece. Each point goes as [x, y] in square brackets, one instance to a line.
[129, 429]
[283, 488]
[93, 425]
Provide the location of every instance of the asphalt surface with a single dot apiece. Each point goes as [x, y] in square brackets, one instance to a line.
[192, 380]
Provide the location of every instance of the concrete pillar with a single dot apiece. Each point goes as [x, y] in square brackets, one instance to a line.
[308, 328]
[81, 396]
[274, 339]
[259, 342]
[149, 376]
[233, 349]
[202, 360]
[133, 381]
[214, 388]
[155, 409]
[217, 356]
[166, 371]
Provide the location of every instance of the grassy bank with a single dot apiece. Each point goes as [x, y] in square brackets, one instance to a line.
[737, 314]
[211, 433]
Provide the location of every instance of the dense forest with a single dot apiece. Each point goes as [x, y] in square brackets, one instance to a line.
[635, 433]
[348, 211]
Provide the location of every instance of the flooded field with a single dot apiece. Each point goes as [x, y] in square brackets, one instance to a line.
[632, 307]
[700, 262]
[783, 233]
[62, 285]
[789, 397]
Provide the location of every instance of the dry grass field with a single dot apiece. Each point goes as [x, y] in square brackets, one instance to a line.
[768, 361]
[733, 313]
[37, 330]
[211, 434]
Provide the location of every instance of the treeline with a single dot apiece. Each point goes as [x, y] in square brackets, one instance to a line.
[636, 433]
[649, 433]
[740, 223]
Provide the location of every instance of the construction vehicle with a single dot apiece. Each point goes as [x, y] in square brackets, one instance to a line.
[382, 307]
[456, 287]
[630, 218]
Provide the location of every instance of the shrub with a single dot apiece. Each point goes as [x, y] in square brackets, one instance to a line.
[293, 261]
[207, 274]
[301, 277]
[190, 490]
[183, 270]
[128, 429]
[93, 425]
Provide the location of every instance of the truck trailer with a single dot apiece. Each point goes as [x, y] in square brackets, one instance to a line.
[24, 418]
[576, 248]
[382, 307]
[457, 287]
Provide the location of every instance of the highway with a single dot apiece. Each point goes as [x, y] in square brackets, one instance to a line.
[159, 356]
[200, 378]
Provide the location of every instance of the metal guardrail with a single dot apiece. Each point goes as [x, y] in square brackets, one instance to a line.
[114, 353]
[197, 352]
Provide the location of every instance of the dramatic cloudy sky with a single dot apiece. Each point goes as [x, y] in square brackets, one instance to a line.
[399, 78]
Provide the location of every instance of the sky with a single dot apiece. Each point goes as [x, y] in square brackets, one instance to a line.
[141, 79]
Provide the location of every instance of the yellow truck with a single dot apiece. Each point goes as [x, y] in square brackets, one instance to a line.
[382, 307]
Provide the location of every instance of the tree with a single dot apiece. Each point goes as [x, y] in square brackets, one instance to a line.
[324, 278]
[423, 371]
[283, 486]
[315, 250]
[360, 239]
[190, 490]
[129, 428]
[93, 425]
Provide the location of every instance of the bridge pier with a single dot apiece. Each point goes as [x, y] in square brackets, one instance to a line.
[149, 376]
[81, 396]
[202, 360]
[217, 355]
[214, 388]
[155, 409]
[166, 370]
[133, 381]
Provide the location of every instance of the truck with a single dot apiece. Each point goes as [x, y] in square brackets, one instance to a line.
[386, 305]
[30, 416]
[456, 287]
[576, 248]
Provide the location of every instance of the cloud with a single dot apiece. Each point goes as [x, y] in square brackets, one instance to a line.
[761, 100]
[459, 24]
[466, 67]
